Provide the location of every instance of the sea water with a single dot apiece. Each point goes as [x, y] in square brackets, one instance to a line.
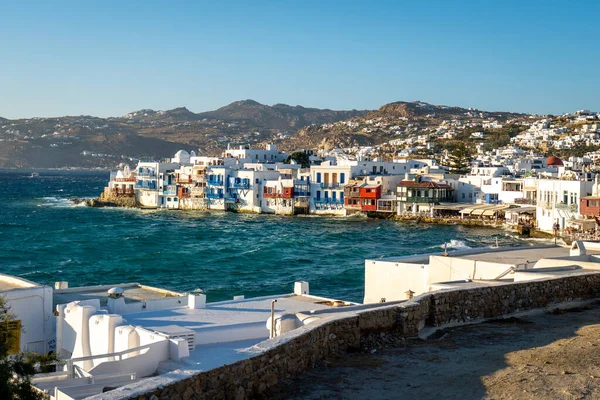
[45, 237]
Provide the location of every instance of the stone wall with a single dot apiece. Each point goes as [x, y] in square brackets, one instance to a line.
[300, 349]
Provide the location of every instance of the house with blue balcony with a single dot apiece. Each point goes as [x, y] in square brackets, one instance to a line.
[151, 179]
[216, 186]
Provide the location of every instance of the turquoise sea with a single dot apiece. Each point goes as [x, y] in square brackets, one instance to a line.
[44, 237]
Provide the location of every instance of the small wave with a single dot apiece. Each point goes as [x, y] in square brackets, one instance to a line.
[62, 202]
[456, 245]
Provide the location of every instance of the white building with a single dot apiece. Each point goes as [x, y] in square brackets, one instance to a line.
[558, 201]
[31, 305]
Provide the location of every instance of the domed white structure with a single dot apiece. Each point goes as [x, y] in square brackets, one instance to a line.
[181, 157]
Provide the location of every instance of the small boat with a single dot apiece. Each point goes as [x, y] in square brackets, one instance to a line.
[34, 175]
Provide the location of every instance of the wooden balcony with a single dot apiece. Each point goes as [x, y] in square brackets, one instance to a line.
[184, 180]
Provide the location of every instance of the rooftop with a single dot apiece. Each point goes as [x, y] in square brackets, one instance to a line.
[133, 292]
[10, 283]
[519, 255]
[225, 331]
[500, 255]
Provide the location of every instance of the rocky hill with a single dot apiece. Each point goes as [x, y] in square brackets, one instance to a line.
[86, 141]
[279, 116]
[393, 122]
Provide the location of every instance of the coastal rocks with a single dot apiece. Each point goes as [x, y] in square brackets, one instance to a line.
[112, 201]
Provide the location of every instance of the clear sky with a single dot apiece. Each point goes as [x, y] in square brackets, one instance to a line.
[108, 58]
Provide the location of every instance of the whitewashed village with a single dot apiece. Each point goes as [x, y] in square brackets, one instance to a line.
[127, 340]
[513, 185]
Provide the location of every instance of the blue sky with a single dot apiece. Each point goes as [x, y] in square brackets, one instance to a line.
[112, 57]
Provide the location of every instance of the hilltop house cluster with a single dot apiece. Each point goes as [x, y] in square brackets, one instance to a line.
[505, 185]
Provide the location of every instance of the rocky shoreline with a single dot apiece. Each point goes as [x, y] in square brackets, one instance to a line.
[130, 202]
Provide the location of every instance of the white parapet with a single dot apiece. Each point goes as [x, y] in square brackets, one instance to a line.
[301, 288]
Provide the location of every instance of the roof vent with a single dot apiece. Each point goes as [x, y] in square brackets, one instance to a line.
[116, 292]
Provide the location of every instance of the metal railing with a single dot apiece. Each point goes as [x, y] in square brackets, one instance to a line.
[531, 202]
[116, 356]
[424, 199]
[329, 185]
[214, 195]
[329, 201]
[567, 207]
[240, 185]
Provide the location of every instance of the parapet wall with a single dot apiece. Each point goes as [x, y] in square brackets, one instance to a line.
[298, 350]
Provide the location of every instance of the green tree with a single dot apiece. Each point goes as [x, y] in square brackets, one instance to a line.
[459, 160]
[301, 158]
[15, 369]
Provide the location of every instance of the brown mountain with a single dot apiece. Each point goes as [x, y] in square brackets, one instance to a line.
[278, 116]
[85, 141]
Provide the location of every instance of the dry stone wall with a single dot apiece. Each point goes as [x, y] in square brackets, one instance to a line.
[302, 348]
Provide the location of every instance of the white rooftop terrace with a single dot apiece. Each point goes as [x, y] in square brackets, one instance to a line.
[227, 321]
[504, 255]
[132, 292]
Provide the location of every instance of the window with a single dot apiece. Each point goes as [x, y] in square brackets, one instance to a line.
[342, 178]
[318, 177]
[333, 195]
[11, 335]
[318, 195]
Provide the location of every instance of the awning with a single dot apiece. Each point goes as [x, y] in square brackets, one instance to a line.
[583, 223]
[492, 211]
[449, 207]
[470, 210]
[523, 210]
[479, 211]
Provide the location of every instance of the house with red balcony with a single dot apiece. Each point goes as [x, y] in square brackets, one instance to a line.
[369, 194]
[589, 206]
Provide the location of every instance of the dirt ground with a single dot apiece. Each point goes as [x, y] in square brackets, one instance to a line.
[553, 355]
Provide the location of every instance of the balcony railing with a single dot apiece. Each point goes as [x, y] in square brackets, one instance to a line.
[353, 194]
[146, 174]
[385, 208]
[151, 185]
[531, 202]
[130, 179]
[214, 182]
[240, 185]
[428, 200]
[329, 185]
[184, 180]
[170, 192]
[329, 201]
[567, 207]
[214, 195]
